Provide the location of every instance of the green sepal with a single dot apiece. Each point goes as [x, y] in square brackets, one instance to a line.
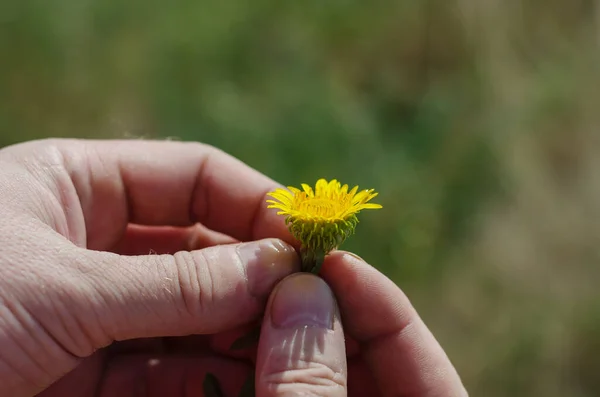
[319, 235]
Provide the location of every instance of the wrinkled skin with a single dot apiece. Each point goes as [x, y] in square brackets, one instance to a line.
[122, 274]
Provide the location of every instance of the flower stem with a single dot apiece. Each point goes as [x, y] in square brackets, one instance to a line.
[312, 260]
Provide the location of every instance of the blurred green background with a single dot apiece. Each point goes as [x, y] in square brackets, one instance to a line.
[475, 120]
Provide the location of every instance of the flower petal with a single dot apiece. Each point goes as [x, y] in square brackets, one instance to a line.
[321, 187]
[333, 186]
[370, 206]
[360, 197]
[282, 197]
[308, 190]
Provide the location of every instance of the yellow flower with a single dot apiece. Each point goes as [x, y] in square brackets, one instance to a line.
[321, 219]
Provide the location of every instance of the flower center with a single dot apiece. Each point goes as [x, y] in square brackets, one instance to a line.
[320, 207]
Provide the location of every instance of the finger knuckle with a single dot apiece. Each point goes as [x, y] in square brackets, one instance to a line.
[307, 378]
[195, 281]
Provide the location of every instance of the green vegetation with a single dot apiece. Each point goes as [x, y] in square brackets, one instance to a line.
[475, 120]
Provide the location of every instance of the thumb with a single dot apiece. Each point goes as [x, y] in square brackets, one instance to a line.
[301, 349]
[198, 292]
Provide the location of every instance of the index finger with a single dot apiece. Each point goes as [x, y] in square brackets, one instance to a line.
[166, 183]
[404, 356]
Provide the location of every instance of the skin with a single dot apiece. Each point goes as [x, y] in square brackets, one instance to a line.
[122, 273]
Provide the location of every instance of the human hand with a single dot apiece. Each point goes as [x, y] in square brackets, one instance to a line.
[388, 350]
[71, 207]
[78, 219]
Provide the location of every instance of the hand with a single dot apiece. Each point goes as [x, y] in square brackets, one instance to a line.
[70, 211]
[388, 351]
[80, 217]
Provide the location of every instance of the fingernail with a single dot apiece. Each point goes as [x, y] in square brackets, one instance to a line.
[303, 300]
[267, 262]
[352, 254]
